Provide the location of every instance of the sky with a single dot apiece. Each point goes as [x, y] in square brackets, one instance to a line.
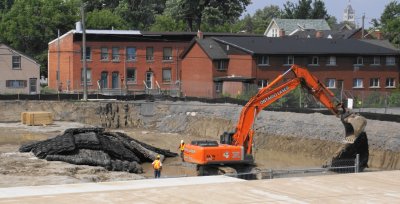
[371, 8]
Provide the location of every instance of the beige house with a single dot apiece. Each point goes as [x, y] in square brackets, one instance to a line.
[19, 73]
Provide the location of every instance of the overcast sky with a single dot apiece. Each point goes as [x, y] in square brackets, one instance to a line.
[371, 8]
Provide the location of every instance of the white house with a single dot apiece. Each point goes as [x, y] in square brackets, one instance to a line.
[281, 27]
[19, 73]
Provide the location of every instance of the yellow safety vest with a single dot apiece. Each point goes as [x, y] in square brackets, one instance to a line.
[156, 164]
[182, 147]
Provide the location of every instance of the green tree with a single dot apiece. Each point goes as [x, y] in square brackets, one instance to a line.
[167, 23]
[30, 24]
[213, 12]
[319, 11]
[390, 22]
[262, 17]
[140, 14]
[105, 19]
[303, 9]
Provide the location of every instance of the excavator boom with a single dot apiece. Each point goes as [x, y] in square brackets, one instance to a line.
[237, 147]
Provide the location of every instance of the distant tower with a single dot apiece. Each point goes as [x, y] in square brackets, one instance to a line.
[349, 14]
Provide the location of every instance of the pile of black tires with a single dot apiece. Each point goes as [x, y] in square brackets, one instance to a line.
[114, 151]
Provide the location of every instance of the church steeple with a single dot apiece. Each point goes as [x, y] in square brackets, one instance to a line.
[349, 14]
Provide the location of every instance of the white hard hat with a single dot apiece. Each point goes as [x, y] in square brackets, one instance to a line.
[181, 141]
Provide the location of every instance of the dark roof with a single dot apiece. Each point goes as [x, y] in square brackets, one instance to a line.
[212, 48]
[335, 34]
[266, 45]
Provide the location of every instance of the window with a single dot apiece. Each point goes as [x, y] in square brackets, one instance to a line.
[263, 60]
[222, 65]
[149, 53]
[16, 83]
[88, 53]
[331, 83]
[314, 60]
[374, 82]
[131, 75]
[358, 83]
[262, 83]
[167, 53]
[218, 87]
[390, 83]
[331, 61]
[16, 62]
[359, 61]
[377, 60]
[89, 76]
[104, 53]
[390, 60]
[115, 54]
[274, 32]
[166, 75]
[131, 53]
[289, 60]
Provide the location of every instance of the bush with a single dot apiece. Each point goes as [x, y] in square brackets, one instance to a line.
[47, 90]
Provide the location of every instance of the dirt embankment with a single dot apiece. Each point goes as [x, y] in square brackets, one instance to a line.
[280, 134]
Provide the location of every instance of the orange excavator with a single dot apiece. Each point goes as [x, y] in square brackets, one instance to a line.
[236, 148]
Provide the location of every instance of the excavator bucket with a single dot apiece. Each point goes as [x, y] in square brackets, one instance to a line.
[354, 125]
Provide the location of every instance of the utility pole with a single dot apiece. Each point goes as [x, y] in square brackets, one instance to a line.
[85, 97]
[58, 61]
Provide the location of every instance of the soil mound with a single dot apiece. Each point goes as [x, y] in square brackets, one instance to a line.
[93, 146]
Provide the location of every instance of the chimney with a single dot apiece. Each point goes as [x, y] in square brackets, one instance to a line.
[199, 34]
[319, 34]
[78, 26]
[378, 35]
[281, 33]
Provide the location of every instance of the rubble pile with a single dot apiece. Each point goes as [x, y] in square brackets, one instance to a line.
[114, 151]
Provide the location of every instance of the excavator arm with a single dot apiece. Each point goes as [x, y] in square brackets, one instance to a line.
[236, 148]
[267, 95]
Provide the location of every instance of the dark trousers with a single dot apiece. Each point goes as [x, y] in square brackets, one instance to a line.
[157, 173]
[182, 155]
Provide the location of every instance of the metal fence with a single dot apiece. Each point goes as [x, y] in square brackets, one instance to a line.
[339, 166]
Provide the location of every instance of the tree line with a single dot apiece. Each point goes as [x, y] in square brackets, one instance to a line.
[28, 25]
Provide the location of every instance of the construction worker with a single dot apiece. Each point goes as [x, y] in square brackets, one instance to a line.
[182, 148]
[157, 165]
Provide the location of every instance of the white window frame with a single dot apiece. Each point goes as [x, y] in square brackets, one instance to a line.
[132, 56]
[262, 83]
[358, 60]
[165, 70]
[288, 59]
[331, 83]
[377, 60]
[222, 65]
[358, 83]
[374, 83]
[167, 57]
[331, 61]
[390, 60]
[16, 62]
[314, 58]
[390, 83]
[263, 60]
[115, 54]
[88, 74]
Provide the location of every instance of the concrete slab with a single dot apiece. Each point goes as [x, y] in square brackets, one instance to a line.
[372, 187]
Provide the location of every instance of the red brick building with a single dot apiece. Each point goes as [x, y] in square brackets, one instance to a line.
[116, 60]
[215, 66]
[119, 61]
